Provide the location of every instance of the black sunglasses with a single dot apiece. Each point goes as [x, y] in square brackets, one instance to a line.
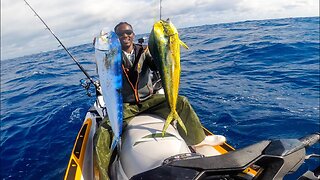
[127, 32]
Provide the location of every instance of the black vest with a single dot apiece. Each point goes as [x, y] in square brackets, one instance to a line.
[137, 83]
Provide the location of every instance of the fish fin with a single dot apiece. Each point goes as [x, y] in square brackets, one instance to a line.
[177, 117]
[173, 116]
[184, 45]
[115, 141]
[168, 121]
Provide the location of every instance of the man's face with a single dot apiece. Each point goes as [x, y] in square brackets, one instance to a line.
[125, 35]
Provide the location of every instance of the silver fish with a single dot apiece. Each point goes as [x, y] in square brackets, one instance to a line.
[108, 59]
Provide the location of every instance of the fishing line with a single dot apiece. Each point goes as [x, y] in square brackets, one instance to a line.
[73, 58]
[160, 9]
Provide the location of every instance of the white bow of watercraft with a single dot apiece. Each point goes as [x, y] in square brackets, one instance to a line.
[143, 147]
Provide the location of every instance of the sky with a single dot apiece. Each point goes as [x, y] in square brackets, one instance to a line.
[76, 22]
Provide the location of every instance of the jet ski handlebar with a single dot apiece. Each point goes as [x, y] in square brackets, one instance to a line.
[310, 139]
[271, 159]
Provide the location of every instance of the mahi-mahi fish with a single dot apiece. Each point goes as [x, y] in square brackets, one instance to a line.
[164, 44]
[108, 59]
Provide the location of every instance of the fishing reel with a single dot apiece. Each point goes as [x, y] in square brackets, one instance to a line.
[86, 83]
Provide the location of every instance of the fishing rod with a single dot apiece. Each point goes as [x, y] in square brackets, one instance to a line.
[73, 58]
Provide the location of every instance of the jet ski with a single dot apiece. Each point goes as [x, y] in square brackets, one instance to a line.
[145, 154]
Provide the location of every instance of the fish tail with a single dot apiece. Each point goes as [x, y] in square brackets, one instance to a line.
[184, 44]
[115, 141]
[177, 117]
[168, 121]
[173, 116]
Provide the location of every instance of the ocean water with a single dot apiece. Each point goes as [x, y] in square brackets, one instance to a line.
[248, 81]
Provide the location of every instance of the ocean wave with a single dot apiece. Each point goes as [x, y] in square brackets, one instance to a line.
[248, 81]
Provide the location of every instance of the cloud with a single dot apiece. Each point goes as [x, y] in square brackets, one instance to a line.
[77, 21]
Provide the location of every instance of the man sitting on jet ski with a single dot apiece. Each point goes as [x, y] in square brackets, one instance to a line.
[139, 95]
[137, 88]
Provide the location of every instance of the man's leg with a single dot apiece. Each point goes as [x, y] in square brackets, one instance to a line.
[102, 152]
[195, 133]
[154, 102]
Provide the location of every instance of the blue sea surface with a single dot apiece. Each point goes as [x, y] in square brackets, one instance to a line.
[248, 81]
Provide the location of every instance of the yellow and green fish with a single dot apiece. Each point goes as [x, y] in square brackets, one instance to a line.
[164, 45]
